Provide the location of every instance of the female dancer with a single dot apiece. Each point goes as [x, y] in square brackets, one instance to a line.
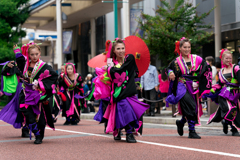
[71, 83]
[163, 84]
[124, 109]
[31, 99]
[227, 95]
[58, 98]
[190, 76]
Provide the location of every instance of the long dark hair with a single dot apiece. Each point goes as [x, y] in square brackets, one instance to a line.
[210, 59]
[164, 76]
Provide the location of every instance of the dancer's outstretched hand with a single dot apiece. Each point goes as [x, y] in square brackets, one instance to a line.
[10, 64]
[15, 46]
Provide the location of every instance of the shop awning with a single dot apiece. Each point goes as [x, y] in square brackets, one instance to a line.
[43, 15]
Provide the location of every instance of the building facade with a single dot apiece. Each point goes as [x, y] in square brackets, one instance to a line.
[230, 25]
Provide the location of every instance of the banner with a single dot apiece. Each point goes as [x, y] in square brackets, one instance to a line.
[67, 42]
[134, 26]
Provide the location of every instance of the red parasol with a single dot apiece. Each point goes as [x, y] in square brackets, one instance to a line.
[137, 47]
[97, 61]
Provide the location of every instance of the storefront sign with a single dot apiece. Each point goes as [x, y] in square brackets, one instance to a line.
[67, 42]
[134, 25]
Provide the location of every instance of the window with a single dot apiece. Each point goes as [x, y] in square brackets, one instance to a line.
[138, 5]
[238, 44]
[230, 46]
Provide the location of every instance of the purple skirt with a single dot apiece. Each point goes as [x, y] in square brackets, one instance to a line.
[129, 111]
[10, 113]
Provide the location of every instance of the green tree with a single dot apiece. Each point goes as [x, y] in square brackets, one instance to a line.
[172, 23]
[13, 13]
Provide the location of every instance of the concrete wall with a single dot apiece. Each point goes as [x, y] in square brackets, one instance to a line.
[149, 7]
[228, 10]
[237, 6]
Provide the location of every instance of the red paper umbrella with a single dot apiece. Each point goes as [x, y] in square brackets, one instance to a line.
[97, 61]
[138, 48]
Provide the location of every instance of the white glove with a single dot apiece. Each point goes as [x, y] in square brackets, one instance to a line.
[195, 85]
[35, 84]
[110, 62]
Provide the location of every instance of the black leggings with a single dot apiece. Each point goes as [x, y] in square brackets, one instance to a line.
[31, 117]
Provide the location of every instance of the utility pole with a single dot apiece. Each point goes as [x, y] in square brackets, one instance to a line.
[217, 27]
[115, 10]
[59, 33]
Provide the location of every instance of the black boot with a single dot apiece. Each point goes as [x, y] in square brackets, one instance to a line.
[38, 139]
[193, 135]
[74, 123]
[34, 128]
[130, 138]
[68, 122]
[225, 126]
[118, 137]
[25, 132]
[180, 126]
[234, 131]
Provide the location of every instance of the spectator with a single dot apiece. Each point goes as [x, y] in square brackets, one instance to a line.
[164, 84]
[85, 86]
[159, 72]
[210, 61]
[89, 85]
[150, 84]
[159, 79]
[89, 81]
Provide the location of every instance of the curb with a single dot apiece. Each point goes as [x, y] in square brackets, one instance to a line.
[160, 120]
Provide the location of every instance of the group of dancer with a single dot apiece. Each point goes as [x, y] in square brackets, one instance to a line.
[191, 80]
[38, 94]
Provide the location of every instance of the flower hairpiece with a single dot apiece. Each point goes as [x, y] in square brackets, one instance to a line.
[117, 39]
[69, 63]
[182, 38]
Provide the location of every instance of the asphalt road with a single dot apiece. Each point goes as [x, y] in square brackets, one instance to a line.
[87, 141]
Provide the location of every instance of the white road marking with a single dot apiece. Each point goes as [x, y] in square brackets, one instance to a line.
[157, 144]
[154, 124]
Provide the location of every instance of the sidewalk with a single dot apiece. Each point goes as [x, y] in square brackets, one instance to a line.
[163, 118]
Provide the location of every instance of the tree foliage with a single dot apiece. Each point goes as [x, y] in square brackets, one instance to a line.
[13, 13]
[171, 24]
